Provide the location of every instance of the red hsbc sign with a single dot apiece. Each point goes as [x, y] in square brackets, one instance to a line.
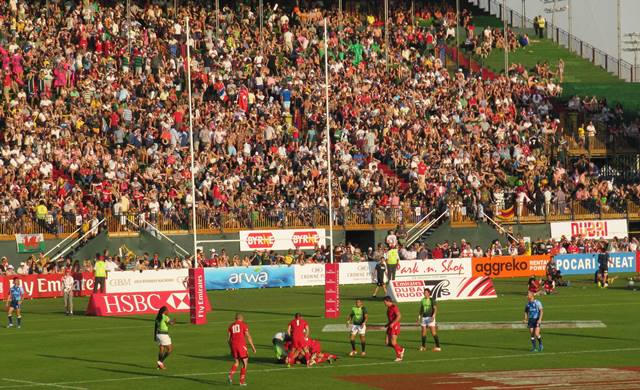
[251, 240]
[139, 303]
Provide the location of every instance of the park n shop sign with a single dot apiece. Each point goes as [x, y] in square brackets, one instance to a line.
[30, 243]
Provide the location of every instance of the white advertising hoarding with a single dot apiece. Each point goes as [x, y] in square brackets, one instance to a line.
[252, 240]
[433, 268]
[604, 228]
[150, 280]
[447, 288]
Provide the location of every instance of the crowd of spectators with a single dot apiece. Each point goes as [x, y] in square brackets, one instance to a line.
[94, 117]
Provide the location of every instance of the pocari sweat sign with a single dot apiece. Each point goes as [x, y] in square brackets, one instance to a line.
[249, 277]
[587, 263]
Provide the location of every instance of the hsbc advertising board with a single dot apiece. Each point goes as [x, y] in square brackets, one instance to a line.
[150, 280]
[449, 288]
[134, 303]
[289, 239]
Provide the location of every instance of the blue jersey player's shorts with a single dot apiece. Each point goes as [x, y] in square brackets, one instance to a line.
[533, 323]
[15, 305]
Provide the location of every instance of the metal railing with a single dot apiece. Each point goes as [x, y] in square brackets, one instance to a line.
[621, 68]
[424, 228]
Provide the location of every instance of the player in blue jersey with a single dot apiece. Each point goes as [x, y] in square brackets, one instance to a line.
[533, 317]
[14, 301]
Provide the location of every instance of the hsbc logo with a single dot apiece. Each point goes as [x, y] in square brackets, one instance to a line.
[305, 239]
[260, 240]
[178, 301]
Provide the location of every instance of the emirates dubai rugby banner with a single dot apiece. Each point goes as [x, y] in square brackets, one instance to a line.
[446, 288]
[252, 240]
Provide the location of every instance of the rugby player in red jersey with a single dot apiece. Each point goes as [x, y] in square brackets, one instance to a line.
[317, 356]
[393, 327]
[298, 330]
[238, 336]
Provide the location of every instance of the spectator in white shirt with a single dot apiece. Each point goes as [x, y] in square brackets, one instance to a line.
[67, 291]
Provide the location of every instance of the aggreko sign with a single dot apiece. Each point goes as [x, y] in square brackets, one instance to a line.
[510, 266]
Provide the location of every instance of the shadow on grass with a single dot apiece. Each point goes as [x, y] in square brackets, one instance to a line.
[167, 376]
[587, 336]
[267, 312]
[482, 346]
[94, 361]
[227, 358]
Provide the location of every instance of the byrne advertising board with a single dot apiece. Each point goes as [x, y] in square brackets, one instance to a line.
[133, 303]
[150, 280]
[252, 240]
[434, 268]
[447, 288]
[510, 266]
[249, 277]
[604, 228]
[587, 263]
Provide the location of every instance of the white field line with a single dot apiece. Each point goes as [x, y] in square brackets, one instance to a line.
[335, 366]
[31, 384]
[477, 325]
[50, 331]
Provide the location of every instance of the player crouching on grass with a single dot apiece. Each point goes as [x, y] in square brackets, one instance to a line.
[358, 322]
[393, 328]
[427, 319]
[161, 336]
[238, 336]
[533, 317]
[317, 356]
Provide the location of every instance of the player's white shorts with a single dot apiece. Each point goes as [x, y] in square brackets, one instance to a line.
[164, 339]
[428, 321]
[359, 329]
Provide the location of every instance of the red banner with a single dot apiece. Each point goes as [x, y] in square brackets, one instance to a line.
[49, 285]
[197, 296]
[331, 290]
[140, 303]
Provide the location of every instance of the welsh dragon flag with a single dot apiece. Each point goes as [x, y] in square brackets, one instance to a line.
[28, 243]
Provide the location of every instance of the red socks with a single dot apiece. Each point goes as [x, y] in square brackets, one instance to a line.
[398, 349]
[233, 370]
[243, 374]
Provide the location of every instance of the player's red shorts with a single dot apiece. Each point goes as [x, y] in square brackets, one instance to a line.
[299, 343]
[239, 351]
[393, 330]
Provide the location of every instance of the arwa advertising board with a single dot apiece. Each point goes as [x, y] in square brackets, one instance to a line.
[249, 277]
[150, 280]
[252, 240]
[587, 263]
[604, 228]
[447, 288]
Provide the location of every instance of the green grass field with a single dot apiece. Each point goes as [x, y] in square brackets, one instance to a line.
[54, 351]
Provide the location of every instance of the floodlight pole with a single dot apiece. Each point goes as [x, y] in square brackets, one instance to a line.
[506, 39]
[458, 36]
[386, 34]
[261, 10]
[634, 46]
[191, 151]
[217, 13]
[619, 39]
[328, 137]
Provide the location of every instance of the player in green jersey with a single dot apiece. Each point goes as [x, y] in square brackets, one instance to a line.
[358, 322]
[427, 319]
